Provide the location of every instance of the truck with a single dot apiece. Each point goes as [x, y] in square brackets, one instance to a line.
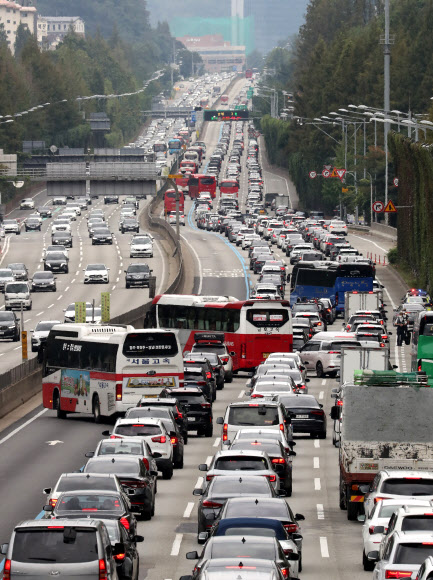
[354, 301]
[280, 201]
[269, 197]
[385, 424]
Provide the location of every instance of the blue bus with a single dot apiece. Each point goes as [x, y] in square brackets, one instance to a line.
[174, 146]
[329, 280]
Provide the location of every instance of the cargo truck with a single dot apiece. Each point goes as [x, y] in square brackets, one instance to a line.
[385, 424]
[354, 301]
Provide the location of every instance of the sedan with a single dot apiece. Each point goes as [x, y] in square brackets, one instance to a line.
[96, 273]
[19, 270]
[43, 281]
[172, 218]
[137, 275]
[27, 203]
[41, 332]
[56, 262]
[102, 236]
[307, 414]
[129, 224]
[32, 224]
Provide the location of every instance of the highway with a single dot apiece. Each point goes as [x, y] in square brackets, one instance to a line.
[37, 448]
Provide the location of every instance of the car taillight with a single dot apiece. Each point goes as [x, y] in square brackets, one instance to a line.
[291, 528]
[279, 460]
[146, 463]
[125, 523]
[7, 570]
[52, 502]
[339, 403]
[398, 574]
[209, 477]
[160, 439]
[102, 570]
[318, 412]
[371, 530]
[119, 393]
[271, 478]
[205, 405]
[256, 396]
[208, 375]
[281, 426]
[115, 437]
[224, 359]
[174, 440]
[119, 557]
[211, 504]
[285, 572]
[225, 428]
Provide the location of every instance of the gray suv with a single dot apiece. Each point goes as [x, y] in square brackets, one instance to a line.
[71, 549]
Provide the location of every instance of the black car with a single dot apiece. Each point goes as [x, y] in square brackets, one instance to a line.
[56, 262]
[45, 212]
[196, 375]
[130, 225]
[33, 224]
[170, 424]
[127, 562]
[137, 481]
[42, 281]
[9, 326]
[19, 270]
[307, 414]
[279, 457]
[179, 412]
[220, 489]
[137, 275]
[198, 408]
[62, 239]
[111, 199]
[211, 363]
[110, 505]
[102, 236]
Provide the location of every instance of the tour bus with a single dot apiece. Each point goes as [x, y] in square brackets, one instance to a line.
[170, 201]
[229, 186]
[311, 280]
[199, 182]
[224, 100]
[105, 369]
[160, 147]
[253, 328]
[174, 146]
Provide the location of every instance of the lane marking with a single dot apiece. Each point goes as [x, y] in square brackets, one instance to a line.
[60, 297]
[175, 549]
[324, 547]
[316, 463]
[241, 394]
[320, 512]
[323, 381]
[188, 510]
[369, 241]
[321, 394]
[199, 483]
[208, 460]
[317, 484]
[217, 442]
[21, 427]
[316, 443]
[200, 269]
[51, 305]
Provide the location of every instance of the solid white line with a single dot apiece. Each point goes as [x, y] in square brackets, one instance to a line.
[18, 429]
[188, 510]
[17, 348]
[175, 549]
[316, 463]
[217, 442]
[200, 271]
[199, 483]
[320, 512]
[324, 547]
[321, 394]
[323, 381]
[208, 460]
[316, 443]
[317, 484]
[370, 241]
[241, 394]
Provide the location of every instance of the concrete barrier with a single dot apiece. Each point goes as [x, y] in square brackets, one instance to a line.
[384, 230]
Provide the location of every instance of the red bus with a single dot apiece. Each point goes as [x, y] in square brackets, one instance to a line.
[199, 182]
[249, 73]
[187, 165]
[224, 100]
[229, 186]
[170, 201]
[253, 329]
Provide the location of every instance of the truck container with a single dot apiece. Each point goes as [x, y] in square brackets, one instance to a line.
[355, 359]
[354, 301]
[385, 424]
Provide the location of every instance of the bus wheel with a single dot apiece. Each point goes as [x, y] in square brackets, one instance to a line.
[56, 405]
[96, 409]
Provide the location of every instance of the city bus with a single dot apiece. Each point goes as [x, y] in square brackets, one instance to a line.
[174, 146]
[422, 343]
[170, 201]
[160, 147]
[253, 329]
[249, 73]
[199, 182]
[311, 280]
[105, 369]
[229, 186]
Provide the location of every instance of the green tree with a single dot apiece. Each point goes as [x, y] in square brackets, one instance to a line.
[22, 37]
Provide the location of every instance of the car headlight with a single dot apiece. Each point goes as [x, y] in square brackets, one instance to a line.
[62, 264]
[11, 326]
[48, 264]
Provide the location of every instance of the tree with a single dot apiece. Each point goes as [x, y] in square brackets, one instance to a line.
[21, 39]
[3, 35]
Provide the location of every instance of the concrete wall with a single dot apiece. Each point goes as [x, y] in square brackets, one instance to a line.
[384, 230]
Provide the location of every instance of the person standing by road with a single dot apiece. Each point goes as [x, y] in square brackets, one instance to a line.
[401, 324]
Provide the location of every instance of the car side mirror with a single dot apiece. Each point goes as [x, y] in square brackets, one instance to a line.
[47, 508]
[379, 530]
[390, 333]
[202, 537]
[373, 556]
[89, 454]
[156, 455]
[203, 467]
[153, 473]
[292, 453]
[361, 518]
[335, 412]
[192, 555]
[4, 549]
[307, 380]
[281, 493]
[299, 517]
[119, 548]
[197, 491]
[106, 433]
[137, 539]
[47, 490]
[364, 488]
[220, 420]
[292, 557]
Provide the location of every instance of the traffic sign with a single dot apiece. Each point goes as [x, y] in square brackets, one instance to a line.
[105, 306]
[80, 312]
[378, 206]
[334, 173]
[390, 207]
[340, 173]
[312, 174]
[326, 173]
[395, 181]
[25, 355]
[175, 176]
[328, 167]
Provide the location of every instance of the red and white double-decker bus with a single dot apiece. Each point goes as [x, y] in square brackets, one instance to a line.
[253, 329]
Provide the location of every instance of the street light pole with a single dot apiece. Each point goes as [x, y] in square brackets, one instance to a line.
[387, 106]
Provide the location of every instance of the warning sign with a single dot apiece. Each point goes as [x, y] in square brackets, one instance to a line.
[390, 207]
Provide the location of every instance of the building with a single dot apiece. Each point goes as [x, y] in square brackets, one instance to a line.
[12, 15]
[51, 30]
[218, 55]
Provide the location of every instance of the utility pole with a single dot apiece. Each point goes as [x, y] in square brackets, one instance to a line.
[387, 106]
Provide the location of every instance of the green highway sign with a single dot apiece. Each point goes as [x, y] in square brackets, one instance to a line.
[225, 115]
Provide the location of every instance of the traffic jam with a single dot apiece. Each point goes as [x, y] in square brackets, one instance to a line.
[243, 385]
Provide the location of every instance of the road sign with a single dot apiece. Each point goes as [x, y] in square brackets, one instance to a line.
[105, 306]
[328, 167]
[326, 173]
[378, 206]
[80, 312]
[24, 344]
[395, 181]
[340, 173]
[193, 117]
[175, 176]
[390, 207]
[312, 174]
[333, 173]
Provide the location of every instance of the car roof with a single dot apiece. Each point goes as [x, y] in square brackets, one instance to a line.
[142, 420]
[233, 452]
[253, 404]
[250, 523]
[81, 523]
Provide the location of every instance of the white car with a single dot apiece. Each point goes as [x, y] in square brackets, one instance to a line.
[426, 570]
[337, 227]
[69, 214]
[154, 433]
[12, 226]
[61, 225]
[141, 246]
[95, 273]
[27, 203]
[403, 555]
[41, 332]
[172, 218]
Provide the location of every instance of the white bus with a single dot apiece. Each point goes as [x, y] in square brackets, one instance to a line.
[105, 369]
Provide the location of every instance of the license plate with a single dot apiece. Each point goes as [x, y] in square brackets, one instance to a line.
[2, 331]
[302, 416]
[266, 354]
[191, 418]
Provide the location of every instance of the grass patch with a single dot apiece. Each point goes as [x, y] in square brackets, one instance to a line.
[406, 273]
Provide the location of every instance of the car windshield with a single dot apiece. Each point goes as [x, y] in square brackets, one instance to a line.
[16, 288]
[10, 222]
[18, 267]
[6, 274]
[43, 276]
[62, 545]
[273, 387]
[268, 509]
[413, 554]
[142, 240]
[96, 267]
[253, 415]
[43, 326]
[137, 268]
[240, 463]
[89, 503]
[74, 483]
[149, 412]
[299, 401]
[138, 430]
[130, 466]
[120, 447]
[7, 317]
[55, 256]
[408, 486]
[229, 486]
[247, 549]
[244, 531]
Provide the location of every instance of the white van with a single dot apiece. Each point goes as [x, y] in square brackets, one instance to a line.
[17, 294]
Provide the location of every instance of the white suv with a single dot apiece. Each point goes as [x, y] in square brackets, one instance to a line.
[27, 203]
